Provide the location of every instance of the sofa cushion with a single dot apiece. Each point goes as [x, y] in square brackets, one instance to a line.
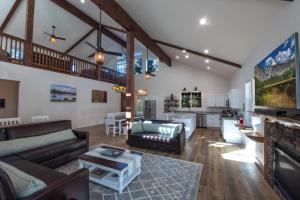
[49, 152]
[24, 184]
[49, 176]
[136, 127]
[7, 190]
[165, 129]
[9, 147]
[10, 158]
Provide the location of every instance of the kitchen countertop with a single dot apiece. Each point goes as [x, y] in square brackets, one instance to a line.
[199, 112]
[229, 118]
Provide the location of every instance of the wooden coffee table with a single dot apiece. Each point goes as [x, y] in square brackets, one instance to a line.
[115, 173]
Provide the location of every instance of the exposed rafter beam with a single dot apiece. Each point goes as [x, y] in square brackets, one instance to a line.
[200, 54]
[117, 13]
[87, 19]
[28, 46]
[80, 40]
[10, 14]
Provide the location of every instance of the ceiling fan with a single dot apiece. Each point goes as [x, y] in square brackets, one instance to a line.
[53, 37]
[99, 51]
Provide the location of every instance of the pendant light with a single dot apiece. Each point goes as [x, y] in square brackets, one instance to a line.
[147, 74]
[99, 55]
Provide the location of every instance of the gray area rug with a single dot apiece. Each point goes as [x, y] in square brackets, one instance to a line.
[161, 178]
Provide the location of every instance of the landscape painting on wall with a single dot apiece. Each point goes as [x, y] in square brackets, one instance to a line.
[275, 76]
[61, 93]
[99, 96]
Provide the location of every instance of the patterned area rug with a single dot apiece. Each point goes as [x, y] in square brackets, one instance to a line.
[162, 178]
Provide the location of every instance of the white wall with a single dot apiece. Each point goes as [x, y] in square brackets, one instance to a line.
[34, 95]
[284, 24]
[174, 79]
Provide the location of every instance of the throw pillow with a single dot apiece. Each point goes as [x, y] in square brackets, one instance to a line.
[23, 183]
[137, 127]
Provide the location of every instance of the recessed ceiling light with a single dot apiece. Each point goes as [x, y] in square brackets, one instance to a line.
[208, 67]
[82, 1]
[187, 56]
[183, 51]
[206, 51]
[177, 57]
[203, 21]
[206, 61]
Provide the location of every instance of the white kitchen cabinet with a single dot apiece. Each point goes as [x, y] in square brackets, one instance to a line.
[213, 121]
[216, 101]
[235, 100]
[220, 101]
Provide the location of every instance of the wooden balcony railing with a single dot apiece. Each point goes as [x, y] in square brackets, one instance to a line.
[112, 76]
[12, 50]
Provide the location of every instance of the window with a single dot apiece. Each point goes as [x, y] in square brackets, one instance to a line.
[16, 53]
[248, 101]
[152, 65]
[74, 68]
[121, 64]
[138, 63]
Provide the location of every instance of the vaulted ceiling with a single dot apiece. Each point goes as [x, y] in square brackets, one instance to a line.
[234, 27]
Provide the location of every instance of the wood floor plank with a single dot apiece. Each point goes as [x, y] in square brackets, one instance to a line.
[221, 179]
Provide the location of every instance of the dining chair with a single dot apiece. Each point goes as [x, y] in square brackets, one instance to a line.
[115, 123]
[10, 121]
[40, 118]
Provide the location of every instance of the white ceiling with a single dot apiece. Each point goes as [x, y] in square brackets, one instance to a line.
[234, 26]
[234, 29]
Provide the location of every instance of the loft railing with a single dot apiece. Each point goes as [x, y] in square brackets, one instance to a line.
[112, 76]
[12, 50]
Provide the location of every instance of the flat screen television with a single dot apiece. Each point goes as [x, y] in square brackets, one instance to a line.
[277, 77]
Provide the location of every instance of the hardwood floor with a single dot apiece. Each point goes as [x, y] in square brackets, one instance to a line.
[228, 173]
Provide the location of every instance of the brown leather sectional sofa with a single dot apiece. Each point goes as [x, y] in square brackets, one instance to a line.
[155, 141]
[42, 161]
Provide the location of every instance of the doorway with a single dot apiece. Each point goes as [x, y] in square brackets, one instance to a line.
[9, 98]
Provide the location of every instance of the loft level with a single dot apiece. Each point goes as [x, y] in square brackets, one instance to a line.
[12, 50]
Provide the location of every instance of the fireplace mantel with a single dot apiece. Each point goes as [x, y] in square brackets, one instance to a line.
[286, 121]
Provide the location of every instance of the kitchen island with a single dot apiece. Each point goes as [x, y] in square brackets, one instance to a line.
[189, 119]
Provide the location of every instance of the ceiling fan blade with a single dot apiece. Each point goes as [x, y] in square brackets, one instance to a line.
[112, 53]
[59, 38]
[47, 33]
[92, 55]
[91, 45]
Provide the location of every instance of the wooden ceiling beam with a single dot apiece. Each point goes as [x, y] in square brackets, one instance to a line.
[10, 15]
[200, 54]
[80, 40]
[117, 13]
[88, 20]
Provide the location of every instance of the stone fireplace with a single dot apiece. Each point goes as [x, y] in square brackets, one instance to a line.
[282, 157]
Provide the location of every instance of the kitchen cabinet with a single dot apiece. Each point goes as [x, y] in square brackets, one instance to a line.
[216, 101]
[213, 121]
[235, 100]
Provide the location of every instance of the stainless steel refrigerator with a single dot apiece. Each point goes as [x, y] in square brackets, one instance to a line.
[150, 110]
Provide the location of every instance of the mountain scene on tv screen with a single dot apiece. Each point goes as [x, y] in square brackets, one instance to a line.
[275, 77]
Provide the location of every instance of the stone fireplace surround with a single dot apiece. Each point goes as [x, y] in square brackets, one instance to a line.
[284, 133]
